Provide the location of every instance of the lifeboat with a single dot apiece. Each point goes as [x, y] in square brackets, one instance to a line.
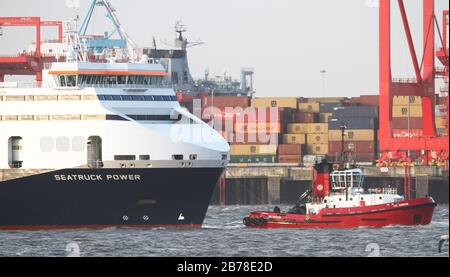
[337, 199]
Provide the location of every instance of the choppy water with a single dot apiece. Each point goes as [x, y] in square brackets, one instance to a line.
[224, 235]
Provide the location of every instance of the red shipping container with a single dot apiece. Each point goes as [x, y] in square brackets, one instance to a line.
[290, 149]
[363, 147]
[402, 123]
[304, 117]
[290, 159]
[225, 101]
[244, 115]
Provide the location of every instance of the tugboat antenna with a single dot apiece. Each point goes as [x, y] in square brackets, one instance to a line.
[343, 156]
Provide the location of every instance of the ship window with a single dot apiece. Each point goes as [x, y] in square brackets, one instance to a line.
[116, 97]
[137, 98]
[121, 80]
[62, 81]
[15, 152]
[124, 157]
[144, 157]
[158, 98]
[47, 144]
[193, 157]
[71, 80]
[174, 77]
[177, 157]
[126, 97]
[141, 117]
[108, 97]
[166, 98]
[173, 98]
[62, 144]
[148, 98]
[101, 97]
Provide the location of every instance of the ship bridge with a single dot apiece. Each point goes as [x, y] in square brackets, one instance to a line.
[81, 74]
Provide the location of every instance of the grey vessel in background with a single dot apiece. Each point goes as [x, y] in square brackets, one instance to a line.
[175, 61]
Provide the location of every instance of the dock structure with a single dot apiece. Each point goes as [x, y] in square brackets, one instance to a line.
[283, 184]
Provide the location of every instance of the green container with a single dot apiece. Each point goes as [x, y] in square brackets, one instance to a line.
[253, 159]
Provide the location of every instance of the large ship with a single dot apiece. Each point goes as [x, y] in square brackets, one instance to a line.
[99, 144]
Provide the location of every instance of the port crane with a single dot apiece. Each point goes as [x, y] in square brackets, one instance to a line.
[27, 63]
[434, 147]
[99, 44]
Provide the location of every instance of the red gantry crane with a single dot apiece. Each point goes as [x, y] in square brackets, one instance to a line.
[27, 63]
[435, 149]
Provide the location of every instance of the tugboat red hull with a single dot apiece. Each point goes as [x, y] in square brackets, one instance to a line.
[408, 213]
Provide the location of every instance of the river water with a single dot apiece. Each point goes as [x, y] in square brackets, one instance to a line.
[223, 234]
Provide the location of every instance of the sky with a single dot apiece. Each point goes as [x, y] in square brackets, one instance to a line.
[287, 42]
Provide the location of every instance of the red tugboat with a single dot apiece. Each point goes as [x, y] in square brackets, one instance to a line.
[338, 200]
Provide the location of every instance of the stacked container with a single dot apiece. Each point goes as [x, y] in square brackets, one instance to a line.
[290, 153]
[407, 116]
[360, 140]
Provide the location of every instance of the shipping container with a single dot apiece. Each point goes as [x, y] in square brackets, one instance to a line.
[253, 159]
[304, 117]
[354, 146]
[316, 138]
[317, 149]
[297, 128]
[407, 100]
[440, 122]
[405, 111]
[356, 111]
[250, 150]
[249, 114]
[308, 128]
[289, 159]
[250, 138]
[325, 117]
[405, 133]
[287, 102]
[294, 139]
[328, 107]
[255, 127]
[352, 123]
[291, 149]
[225, 101]
[367, 100]
[402, 123]
[317, 128]
[309, 107]
[323, 100]
[352, 135]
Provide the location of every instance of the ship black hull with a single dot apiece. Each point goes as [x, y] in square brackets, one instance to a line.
[99, 198]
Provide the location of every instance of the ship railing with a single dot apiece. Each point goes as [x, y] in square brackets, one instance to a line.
[392, 191]
[79, 86]
[124, 86]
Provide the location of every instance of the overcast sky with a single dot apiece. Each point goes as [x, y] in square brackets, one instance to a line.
[287, 42]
